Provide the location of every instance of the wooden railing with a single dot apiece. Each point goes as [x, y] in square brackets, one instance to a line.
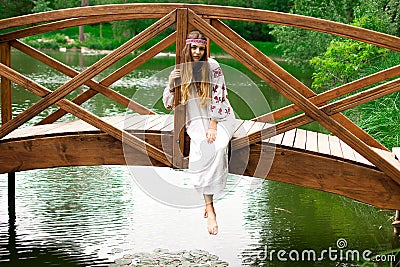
[321, 108]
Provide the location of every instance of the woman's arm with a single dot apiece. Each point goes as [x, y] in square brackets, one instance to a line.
[168, 95]
[220, 108]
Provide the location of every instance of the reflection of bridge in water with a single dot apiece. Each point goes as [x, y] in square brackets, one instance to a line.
[350, 162]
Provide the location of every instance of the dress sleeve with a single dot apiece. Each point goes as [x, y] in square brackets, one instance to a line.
[220, 108]
[168, 98]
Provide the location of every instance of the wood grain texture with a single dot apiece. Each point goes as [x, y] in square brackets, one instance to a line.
[73, 150]
[88, 74]
[178, 147]
[95, 87]
[6, 87]
[283, 165]
[88, 117]
[361, 183]
[211, 12]
[285, 76]
[115, 76]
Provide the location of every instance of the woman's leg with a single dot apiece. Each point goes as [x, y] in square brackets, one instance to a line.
[210, 215]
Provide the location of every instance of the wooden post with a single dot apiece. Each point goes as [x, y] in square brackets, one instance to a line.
[6, 115]
[180, 109]
[396, 223]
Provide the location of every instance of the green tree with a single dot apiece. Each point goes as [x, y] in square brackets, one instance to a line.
[12, 8]
[41, 6]
[299, 45]
[393, 9]
[346, 60]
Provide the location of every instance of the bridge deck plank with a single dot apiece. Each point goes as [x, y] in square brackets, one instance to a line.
[276, 140]
[288, 138]
[348, 152]
[312, 141]
[323, 144]
[301, 139]
[334, 146]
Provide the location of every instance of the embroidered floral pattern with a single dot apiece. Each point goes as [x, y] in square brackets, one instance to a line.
[217, 72]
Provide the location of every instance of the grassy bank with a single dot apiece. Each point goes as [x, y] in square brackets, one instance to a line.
[104, 39]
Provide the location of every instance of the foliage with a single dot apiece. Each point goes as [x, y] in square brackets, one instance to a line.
[346, 60]
[343, 61]
[393, 9]
[299, 45]
[12, 8]
[41, 6]
[381, 119]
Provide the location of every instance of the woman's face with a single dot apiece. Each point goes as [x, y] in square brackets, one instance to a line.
[197, 51]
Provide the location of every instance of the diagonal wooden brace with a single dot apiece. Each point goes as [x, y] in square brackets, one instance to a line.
[88, 117]
[330, 109]
[292, 81]
[387, 166]
[95, 86]
[89, 73]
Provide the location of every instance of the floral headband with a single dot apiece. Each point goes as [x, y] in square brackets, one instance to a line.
[196, 41]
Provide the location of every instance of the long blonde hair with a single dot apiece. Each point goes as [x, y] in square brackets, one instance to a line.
[200, 77]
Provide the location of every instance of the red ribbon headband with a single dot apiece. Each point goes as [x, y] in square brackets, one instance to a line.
[196, 41]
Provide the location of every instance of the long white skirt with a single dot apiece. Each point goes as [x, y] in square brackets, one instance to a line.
[208, 162]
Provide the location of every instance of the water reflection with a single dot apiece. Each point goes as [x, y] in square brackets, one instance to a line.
[285, 217]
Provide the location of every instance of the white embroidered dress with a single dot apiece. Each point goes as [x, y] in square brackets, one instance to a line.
[208, 162]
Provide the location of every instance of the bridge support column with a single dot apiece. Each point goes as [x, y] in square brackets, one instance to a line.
[180, 110]
[396, 223]
[6, 115]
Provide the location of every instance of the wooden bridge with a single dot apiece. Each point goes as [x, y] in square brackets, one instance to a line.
[350, 162]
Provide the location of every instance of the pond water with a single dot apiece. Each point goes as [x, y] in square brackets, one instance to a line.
[91, 216]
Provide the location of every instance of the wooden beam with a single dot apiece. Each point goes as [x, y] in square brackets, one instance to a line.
[297, 98]
[144, 11]
[90, 118]
[6, 87]
[361, 183]
[75, 149]
[6, 115]
[68, 23]
[102, 86]
[89, 73]
[329, 109]
[278, 71]
[116, 75]
[180, 109]
[103, 89]
[334, 93]
[213, 12]
[140, 59]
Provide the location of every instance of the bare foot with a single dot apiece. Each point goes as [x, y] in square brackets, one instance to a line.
[212, 222]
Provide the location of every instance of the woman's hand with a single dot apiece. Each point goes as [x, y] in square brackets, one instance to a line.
[211, 133]
[175, 74]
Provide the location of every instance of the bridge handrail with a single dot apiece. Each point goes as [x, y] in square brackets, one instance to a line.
[106, 13]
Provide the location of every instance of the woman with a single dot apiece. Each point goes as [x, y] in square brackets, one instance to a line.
[209, 119]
